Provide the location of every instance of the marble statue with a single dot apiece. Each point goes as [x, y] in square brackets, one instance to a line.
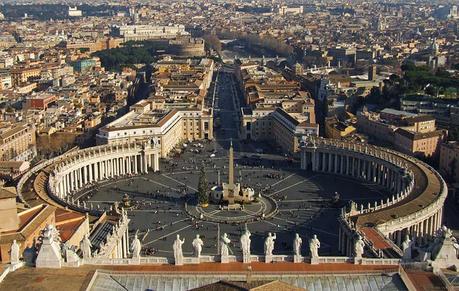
[197, 245]
[178, 254]
[245, 245]
[136, 246]
[407, 247]
[85, 246]
[297, 242]
[54, 233]
[314, 245]
[359, 246]
[15, 250]
[269, 244]
[225, 245]
[70, 254]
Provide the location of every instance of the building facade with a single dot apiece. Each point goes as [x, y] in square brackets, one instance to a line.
[285, 129]
[409, 133]
[17, 141]
[449, 160]
[147, 32]
[170, 126]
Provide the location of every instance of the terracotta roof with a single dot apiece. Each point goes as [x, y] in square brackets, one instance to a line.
[378, 241]
[334, 268]
[68, 229]
[63, 215]
[68, 222]
[424, 281]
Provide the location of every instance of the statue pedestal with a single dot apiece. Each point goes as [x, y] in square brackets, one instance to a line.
[49, 255]
[224, 259]
[246, 259]
[179, 262]
[134, 261]
[297, 259]
[357, 260]
[268, 259]
[314, 260]
[195, 260]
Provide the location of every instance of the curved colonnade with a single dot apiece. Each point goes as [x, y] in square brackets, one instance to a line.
[414, 207]
[65, 175]
[417, 194]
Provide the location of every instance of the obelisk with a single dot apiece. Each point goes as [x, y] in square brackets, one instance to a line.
[231, 165]
[231, 175]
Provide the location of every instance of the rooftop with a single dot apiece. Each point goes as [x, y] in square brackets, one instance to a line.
[169, 277]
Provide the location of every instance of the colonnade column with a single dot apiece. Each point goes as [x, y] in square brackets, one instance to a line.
[323, 162]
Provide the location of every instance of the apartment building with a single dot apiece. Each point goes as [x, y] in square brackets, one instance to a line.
[23, 74]
[449, 160]
[421, 144]
[276, 125]
[17, 141]
[171, 126]
[147, 32]
[183, 80]
[407, 132]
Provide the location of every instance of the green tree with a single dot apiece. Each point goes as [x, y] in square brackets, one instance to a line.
[203, 188]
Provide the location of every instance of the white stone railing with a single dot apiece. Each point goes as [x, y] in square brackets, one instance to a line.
[253, 258]
[335, 260]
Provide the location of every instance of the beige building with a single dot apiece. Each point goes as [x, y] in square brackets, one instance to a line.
[146, 32]
[264, 86]
[23, 74]
[17, 141]
[409, 133]
[285, 129]
[148, 119]
[449, 160]
[371, 124]
[183, 80]
[337, 129]
[176, 113]
[419, 144]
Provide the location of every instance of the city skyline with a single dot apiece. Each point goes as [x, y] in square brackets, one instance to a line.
[229, 145]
